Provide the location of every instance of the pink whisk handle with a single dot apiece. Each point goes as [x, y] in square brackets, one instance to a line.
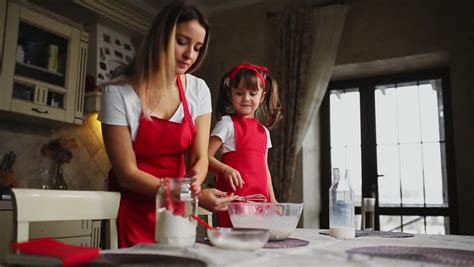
[252, 198]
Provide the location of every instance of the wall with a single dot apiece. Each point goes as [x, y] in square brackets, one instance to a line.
[377, 30]
[88, 167]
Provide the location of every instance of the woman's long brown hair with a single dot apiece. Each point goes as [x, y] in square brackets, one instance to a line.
[153, 68]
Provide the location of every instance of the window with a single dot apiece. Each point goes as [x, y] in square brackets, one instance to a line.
[392, 134]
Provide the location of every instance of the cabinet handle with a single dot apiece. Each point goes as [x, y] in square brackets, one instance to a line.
[40, 110]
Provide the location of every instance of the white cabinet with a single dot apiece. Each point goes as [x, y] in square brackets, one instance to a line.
[43, 66]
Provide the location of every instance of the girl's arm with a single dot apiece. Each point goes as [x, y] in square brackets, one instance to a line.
[228, 173]
[118, 144]
[198, 160]
[270, 184]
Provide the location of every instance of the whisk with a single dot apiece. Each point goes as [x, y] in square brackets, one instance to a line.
[252, 198]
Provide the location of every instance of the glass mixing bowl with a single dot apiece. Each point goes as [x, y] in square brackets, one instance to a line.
[238, 238]
[280, 219]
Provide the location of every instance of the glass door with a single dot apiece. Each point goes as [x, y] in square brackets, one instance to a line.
[41, 55]
[411, 153]
[390, 133]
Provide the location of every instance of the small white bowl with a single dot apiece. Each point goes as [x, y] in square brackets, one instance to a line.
[238, 238]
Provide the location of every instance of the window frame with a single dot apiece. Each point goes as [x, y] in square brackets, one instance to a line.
[369, 148]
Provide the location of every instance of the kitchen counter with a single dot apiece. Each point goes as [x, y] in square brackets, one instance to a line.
[322, 250]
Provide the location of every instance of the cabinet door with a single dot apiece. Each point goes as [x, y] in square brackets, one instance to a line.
[40, 66]
[3, 14]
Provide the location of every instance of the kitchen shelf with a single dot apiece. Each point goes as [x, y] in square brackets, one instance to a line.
[40, 68]
[40, 83]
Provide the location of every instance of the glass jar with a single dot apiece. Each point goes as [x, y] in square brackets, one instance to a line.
[174, 205]
[341, 207]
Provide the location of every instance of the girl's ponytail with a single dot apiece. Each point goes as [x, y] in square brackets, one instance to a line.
[224, 104]
[271, 105]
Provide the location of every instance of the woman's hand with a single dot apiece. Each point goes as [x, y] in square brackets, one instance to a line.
[215, 200]
[232, 176]
[195, 184]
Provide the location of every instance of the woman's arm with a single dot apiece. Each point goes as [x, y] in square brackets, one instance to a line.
[198, 160]
[230, 174]
[270, 184]
[118, 144]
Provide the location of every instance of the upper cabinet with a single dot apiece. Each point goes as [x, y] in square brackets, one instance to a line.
[43, 66]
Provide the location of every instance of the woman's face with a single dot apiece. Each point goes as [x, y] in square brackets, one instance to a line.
[190, 37]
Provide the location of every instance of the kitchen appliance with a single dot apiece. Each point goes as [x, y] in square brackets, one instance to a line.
[6, 220]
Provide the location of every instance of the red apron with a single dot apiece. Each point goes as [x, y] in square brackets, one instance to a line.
[249, 159]
[159, 148]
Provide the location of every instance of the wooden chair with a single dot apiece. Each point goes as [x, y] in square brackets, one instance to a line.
[37, 205]
[207, 214]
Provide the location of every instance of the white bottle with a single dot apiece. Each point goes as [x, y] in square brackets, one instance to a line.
[341, 207]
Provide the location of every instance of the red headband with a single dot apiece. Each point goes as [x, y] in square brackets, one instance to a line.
[258, 70]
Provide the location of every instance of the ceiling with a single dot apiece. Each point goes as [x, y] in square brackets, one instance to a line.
[151, 7]
[134, 16]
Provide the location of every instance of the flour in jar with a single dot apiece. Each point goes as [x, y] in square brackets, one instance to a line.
[174, 230]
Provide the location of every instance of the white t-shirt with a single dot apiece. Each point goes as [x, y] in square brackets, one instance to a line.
[224, 129]
[120, 105]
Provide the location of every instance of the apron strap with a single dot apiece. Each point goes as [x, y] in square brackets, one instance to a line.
[183, 97]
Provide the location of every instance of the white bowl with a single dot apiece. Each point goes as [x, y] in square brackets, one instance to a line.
[238, 238]
[280, 219]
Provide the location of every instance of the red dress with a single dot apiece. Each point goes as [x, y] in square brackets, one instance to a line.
[159, 148]
[249, 159]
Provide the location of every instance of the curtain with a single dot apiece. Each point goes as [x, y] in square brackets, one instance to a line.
[307, 49]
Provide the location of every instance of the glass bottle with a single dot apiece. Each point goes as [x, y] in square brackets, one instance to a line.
[174, 205]
[59, 182]
[45, 179]
[341, 207]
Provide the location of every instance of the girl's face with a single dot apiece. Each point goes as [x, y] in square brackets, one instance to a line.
[245, 100]
[190, 37]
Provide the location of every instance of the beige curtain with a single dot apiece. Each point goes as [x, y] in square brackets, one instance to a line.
[309, 40]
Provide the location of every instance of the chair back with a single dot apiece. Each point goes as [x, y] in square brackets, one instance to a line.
[38, 205]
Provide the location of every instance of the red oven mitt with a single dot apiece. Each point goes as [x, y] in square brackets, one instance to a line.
[69, 254]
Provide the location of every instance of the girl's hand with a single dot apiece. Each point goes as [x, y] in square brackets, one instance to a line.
[232, 176]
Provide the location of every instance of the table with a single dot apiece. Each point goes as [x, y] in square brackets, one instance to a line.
[322, 251]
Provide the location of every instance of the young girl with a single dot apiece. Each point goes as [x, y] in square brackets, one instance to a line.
[247, 93]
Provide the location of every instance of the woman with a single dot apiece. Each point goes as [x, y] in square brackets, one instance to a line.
[159, 112]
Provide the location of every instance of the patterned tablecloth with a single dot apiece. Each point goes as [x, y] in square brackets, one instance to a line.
[324, 250]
